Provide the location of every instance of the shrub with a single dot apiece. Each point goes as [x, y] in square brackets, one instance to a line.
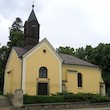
[42, 99]
[77, 97]
[108, 92]
[99, 98]
[0, 92]
[66, 97]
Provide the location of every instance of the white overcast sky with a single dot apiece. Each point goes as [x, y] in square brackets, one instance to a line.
[74, 23]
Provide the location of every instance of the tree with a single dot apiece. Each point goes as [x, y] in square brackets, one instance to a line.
[80, 53]
[16, 39]
[16, 36]
[17, 25]
[89, 54]
[16, 33]
[102, 58]
[4, 52]
[65, 50]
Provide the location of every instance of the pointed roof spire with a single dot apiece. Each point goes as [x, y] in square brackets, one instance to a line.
[32, 16]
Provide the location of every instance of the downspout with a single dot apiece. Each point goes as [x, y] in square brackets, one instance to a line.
[61, 77]
[23, 76]
[21, 71]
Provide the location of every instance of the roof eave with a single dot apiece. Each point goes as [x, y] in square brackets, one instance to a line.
[81, 65]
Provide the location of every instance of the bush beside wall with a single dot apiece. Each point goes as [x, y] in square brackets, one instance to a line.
[66, 97]
[42, 99]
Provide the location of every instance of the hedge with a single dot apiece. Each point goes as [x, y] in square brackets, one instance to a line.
[66, 97]
[42, 99]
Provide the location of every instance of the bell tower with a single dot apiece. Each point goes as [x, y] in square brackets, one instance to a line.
[31, 31]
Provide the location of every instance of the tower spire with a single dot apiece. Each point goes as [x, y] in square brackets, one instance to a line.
[33, 5]
[31, 30]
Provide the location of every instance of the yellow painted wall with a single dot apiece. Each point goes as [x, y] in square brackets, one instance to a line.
[12, 78]
[37, 60]
[91, 78]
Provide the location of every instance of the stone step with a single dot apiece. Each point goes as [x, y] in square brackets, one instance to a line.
[4, 101]
[5, 108]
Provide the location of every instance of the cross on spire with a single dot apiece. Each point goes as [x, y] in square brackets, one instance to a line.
[33, 5]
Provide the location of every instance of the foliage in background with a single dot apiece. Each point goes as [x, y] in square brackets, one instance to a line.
[16, 34]
[15, 39]
[65, 50]
[4, 52]
[17, 25]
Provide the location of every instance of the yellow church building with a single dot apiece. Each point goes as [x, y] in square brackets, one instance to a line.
[38, 69]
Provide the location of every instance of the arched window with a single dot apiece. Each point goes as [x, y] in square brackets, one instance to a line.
[79, 80]
[43, 72]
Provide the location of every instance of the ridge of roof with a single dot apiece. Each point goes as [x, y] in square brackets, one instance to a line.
[70, 59]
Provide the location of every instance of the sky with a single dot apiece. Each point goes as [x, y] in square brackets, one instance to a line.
[74, 23]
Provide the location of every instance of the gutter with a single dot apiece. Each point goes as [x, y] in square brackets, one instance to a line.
[21, 70]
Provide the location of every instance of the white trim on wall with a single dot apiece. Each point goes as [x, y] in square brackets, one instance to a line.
[43, 42]
[60, 66]
[24, 76]
[32, 51]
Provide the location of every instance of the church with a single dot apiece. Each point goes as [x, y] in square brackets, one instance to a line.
[38, 69]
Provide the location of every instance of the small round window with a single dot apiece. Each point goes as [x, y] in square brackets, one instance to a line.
[44, 51]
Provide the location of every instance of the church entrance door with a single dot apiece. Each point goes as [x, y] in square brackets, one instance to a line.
[42, 88]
